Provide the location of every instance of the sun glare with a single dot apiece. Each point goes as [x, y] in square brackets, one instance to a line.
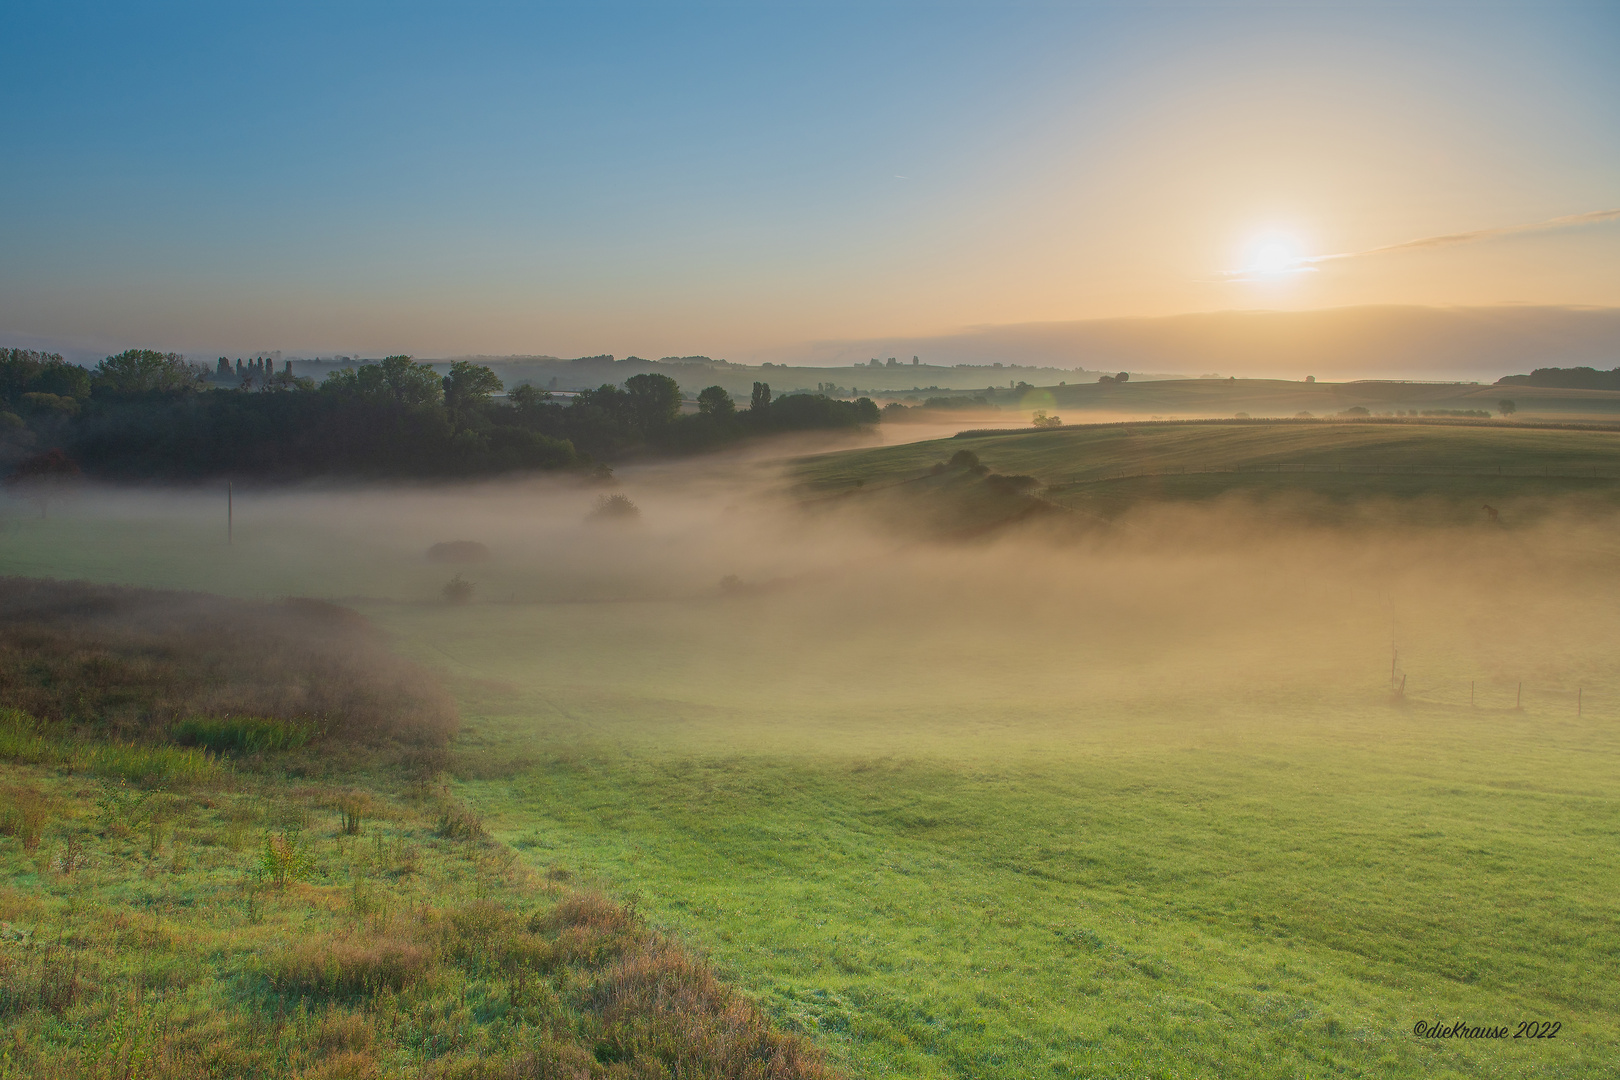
[1273, 255]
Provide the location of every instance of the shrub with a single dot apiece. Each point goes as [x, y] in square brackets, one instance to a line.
[615, 507]
[963, 459]
[457, 822]
[458, 590]
[241, 734]
[283, 858]
[355, 807]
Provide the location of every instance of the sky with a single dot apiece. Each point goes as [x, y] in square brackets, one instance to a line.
[737, 179]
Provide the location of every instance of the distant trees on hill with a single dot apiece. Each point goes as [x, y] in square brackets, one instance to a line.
[145, 414]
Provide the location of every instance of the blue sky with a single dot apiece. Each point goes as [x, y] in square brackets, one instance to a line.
[732, 179]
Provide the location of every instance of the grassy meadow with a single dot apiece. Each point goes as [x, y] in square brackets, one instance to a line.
[1203, 794]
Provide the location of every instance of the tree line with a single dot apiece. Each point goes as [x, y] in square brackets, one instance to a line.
[144, 414]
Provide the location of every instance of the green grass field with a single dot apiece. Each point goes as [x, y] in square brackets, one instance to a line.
[1028, 808]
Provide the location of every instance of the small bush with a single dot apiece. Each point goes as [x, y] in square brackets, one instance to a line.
[615, 507]
[241, 734]
[283, 858]
[963, 459]
[457, 822]
[24, 813]
[355, 807]
[458, 590]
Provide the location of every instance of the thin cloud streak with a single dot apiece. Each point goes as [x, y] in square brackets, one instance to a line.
[1573, 220]
[1306, 264]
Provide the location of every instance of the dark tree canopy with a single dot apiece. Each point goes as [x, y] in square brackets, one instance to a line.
[145, 373]
[151, 415]
[714, 401]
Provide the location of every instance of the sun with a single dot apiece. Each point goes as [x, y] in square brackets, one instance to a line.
[1273, 254]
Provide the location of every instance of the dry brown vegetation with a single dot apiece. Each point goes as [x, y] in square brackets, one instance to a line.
[397, 952]
[129, 663]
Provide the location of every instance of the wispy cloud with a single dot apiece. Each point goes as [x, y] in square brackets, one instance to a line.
[1570, 222]
[1308, 263]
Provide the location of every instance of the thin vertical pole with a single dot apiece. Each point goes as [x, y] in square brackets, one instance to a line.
[230, 515]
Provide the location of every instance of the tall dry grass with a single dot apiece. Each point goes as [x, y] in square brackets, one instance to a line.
[131, 664]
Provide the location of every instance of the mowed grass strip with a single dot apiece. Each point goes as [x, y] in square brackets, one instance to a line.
[1285, 910]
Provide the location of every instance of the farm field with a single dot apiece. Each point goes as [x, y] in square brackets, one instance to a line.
[1203, 398]
[1141, 803]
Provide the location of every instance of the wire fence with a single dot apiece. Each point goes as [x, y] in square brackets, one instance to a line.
[1496, 695]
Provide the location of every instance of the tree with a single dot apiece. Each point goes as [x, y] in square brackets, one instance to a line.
[1123, 376]
[145, 372]
[761, 399]
[398, 379]
[467, 387]
[714, 401]
[655, 400]
[1506, 407]
[44, 476]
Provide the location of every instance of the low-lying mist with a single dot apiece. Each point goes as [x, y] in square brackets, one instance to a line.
[720, 609]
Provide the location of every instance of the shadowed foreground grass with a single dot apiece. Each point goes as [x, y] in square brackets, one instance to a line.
[279, 898]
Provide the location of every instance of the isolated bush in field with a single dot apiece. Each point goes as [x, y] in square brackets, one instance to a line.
[24, 813]
[457, 822]
[1041, 420]
[285, 857]
[458, 551]
[458, 590]
[963, 459]
[355, 807]
[615, 508]
[241, 734]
